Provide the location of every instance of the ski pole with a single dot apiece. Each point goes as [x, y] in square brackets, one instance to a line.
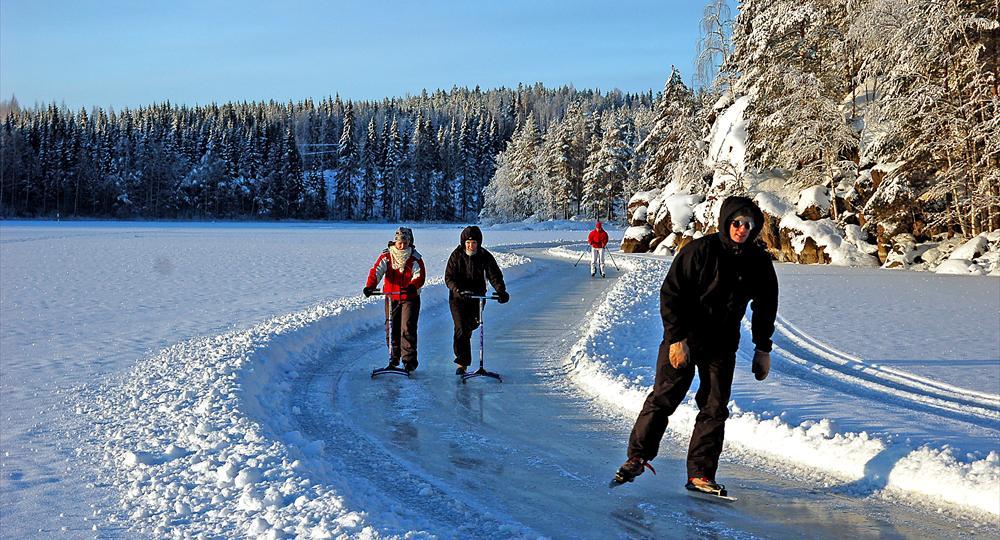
[614, 261]
[580, 259]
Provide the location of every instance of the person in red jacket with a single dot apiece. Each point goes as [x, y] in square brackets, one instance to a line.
[403, 270]
[598, 240]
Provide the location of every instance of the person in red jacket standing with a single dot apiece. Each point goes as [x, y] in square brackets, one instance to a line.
[403, 270]
[598, 240]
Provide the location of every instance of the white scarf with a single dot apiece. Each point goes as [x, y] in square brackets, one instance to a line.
[399, 257]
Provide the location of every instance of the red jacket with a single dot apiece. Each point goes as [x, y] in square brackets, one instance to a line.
[598, 238]
[412, 273]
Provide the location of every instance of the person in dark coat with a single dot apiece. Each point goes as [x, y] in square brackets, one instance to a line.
[702, 301]
[469, 267]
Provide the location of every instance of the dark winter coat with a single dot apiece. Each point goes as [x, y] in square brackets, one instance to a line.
[710, 282]
[465, 273]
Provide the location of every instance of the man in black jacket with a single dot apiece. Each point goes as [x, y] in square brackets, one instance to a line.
[702, 301]
[469, 266]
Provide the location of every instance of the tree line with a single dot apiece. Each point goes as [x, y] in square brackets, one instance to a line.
[426, 157]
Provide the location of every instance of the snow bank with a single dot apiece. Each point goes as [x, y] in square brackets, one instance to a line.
[197, 439]
[612, 363]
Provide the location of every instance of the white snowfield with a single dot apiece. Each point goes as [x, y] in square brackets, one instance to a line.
[218, 435]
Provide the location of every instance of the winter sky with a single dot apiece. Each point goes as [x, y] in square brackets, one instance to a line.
[124, 53]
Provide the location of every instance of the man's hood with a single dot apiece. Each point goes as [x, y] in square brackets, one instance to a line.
[732, 207]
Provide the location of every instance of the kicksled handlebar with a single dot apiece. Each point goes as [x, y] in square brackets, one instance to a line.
[389, 293]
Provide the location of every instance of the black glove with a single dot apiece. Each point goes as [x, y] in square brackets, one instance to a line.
[467, 294]
[370, 291]
[411, 290]
[503, 297]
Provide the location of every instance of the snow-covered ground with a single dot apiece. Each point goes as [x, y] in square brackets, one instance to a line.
[148, 379]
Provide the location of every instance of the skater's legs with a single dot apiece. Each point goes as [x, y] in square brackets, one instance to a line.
[392, 339]
[465, 315]
[409, 314]
[668, 391]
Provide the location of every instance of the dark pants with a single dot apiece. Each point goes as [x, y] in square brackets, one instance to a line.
[465, 314]
[403, 339]
[715, 374]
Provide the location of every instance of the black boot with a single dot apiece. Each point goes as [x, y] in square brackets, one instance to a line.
[633, 467]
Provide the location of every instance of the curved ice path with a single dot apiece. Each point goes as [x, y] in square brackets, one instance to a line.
[277, 432]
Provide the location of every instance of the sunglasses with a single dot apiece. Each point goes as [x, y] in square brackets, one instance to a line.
[739, 223]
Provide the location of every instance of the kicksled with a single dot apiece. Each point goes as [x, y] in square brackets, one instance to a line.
[396, 370]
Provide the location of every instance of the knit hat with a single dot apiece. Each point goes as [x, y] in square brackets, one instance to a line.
[405, 234]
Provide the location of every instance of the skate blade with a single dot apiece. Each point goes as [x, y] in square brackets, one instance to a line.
[711, 495]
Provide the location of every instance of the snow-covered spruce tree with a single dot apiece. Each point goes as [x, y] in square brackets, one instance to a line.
[288, 198]
[369, 174]
[345, 198]
[786, 62]
[935, 80]
[511, 193]
[466, 169]
[557, 156]
[443, 193]
[423, 170]
[661, 148]
[607, 169]
[391, 171]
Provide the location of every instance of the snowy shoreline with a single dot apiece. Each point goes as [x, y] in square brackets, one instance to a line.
[604, 370]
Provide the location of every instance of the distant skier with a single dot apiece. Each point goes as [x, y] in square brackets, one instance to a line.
[469, 266]
[598, 240]
[403, 269]
[702, 301]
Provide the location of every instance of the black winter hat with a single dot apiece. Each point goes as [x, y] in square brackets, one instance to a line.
[472, 233]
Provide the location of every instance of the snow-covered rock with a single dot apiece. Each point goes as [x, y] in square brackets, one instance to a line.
[813, 203]
[637, 239]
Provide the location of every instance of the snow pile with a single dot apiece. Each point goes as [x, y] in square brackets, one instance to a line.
[613, 363]
[978, 256]
[196, 438]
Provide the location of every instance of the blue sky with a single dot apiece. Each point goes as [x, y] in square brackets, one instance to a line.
[128, 53]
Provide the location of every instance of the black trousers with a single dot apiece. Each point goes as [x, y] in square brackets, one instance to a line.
[403, 339]
[465, 314]
[715, 374]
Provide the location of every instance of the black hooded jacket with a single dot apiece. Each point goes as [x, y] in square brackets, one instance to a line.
[465, 273]
[710, 282]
